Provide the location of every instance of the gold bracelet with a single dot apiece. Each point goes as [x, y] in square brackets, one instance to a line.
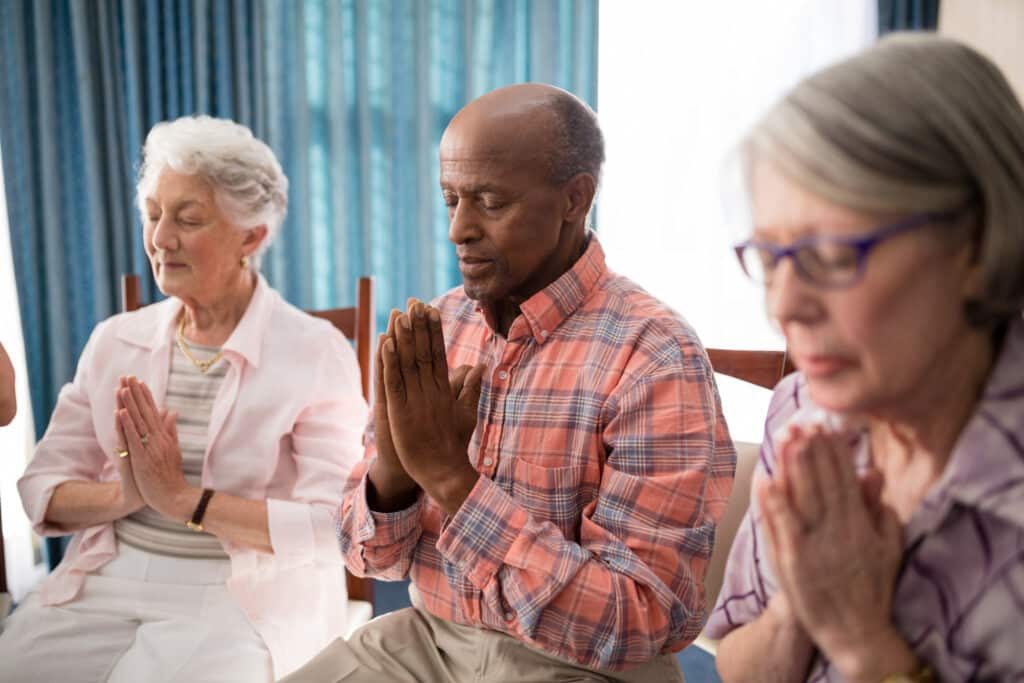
[922, 674]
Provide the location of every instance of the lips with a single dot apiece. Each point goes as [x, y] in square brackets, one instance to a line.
[823, 366]
[473, 266]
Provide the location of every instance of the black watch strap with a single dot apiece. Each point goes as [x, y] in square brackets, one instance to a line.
[196, 523]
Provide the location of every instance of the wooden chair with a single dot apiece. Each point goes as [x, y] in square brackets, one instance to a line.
[356, 323]
[764, 369]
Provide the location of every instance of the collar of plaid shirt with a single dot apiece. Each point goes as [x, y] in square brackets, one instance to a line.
[543, 312]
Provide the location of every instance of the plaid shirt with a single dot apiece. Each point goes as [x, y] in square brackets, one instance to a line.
[605, 463]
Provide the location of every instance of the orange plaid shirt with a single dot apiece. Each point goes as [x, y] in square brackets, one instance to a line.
[605, 463]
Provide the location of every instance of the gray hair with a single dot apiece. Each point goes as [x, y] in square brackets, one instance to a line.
[248, 182]
[579, 143]
[916, 123]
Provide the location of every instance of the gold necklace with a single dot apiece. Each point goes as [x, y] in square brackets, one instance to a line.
[202, 365]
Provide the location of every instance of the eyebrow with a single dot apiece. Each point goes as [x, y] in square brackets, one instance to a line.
[187, 204]
[473, 189]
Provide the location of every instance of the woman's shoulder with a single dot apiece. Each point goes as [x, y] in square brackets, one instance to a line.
[789, 399]
[300, 334]
[139, 327]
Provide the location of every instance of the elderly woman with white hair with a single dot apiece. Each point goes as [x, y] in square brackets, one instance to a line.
[199, 453]
[885, 541]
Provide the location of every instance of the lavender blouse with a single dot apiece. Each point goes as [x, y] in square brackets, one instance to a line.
[959, 598]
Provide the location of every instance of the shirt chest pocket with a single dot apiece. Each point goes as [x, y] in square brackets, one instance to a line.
[554, 494]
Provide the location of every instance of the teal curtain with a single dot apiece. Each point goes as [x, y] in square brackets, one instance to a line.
[907, 15]
[358, 94]
[353, 96]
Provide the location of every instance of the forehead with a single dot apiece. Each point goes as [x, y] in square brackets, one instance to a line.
[782, 209]
[174, 187]
[493, 150]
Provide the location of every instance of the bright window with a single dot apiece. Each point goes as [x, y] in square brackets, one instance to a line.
[16, 440]
[679, 83]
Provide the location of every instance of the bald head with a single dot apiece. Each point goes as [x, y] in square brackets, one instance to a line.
[532, 122]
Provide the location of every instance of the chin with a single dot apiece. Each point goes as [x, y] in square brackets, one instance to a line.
[171, 286]
[476, 290]
[839, 394]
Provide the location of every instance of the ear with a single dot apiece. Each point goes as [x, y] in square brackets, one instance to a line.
[253, 239]
[579, 193]
[967, 263]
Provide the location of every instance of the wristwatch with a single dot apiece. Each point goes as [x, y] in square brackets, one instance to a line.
[196, 523]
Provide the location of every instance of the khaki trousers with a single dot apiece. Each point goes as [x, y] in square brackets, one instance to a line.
[413, 646]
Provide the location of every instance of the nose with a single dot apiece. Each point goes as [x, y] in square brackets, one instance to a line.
[789, 298]
[462, 224]
[164, 237]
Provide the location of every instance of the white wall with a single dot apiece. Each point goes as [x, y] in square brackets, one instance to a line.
[679, 82]
[993, 27]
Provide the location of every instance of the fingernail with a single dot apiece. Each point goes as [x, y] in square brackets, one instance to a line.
[434, 315]
[390, 345]
[404, 322]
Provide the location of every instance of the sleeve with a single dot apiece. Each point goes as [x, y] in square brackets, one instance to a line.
[632, 587]
[69, 450]
[376, 544]
[748, 582]
[325, 442]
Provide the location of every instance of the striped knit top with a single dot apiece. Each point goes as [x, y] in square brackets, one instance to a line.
[191, 394]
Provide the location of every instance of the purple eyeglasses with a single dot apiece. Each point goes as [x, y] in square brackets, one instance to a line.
[824, 260]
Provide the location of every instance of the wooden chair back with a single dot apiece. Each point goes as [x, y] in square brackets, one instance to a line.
[357, 324]
[763, 368]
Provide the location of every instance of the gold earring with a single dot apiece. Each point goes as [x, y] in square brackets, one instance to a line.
[244, 262]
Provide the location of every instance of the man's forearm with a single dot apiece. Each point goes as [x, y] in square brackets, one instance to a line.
[771, 649]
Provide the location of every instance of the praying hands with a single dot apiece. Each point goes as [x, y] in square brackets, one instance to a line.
[423, 418]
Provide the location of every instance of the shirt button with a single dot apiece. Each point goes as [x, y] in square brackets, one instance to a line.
[509, 616]
[488, 461]
[544, 333]
[502, 375]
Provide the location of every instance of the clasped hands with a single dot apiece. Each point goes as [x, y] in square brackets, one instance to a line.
[151, 473]
[836, 549]
[423, 418]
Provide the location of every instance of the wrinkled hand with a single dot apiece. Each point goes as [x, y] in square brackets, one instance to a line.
[431, 422]
[156, 464]
[131, 500]
[834, 546]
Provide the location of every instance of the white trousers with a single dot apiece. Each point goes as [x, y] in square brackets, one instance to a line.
[142, 618]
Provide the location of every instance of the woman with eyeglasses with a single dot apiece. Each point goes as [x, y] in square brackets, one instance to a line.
[885, 538]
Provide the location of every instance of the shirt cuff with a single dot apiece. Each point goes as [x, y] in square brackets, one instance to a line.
[479, 535]
[378, 529]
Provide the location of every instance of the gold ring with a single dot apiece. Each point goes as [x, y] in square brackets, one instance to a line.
[121, 453]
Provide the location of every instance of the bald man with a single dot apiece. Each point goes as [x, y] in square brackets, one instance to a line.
[554, 497]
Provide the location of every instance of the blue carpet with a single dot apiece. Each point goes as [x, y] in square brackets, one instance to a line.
[697, 665]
